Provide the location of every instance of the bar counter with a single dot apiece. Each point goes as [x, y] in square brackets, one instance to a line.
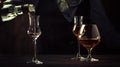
[59, 61]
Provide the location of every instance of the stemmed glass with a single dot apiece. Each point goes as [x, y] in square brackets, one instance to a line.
[34, 32]
[78, 20]
[89, 37]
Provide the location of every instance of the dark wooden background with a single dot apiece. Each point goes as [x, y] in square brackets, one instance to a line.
[14, 40]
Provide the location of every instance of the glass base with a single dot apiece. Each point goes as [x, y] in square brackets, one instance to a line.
[35, 61]
[92, 59]
[79, 58]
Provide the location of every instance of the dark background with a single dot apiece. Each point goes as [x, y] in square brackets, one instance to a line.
[14, 40]
[112, 10]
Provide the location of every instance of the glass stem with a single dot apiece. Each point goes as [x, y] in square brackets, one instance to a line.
[89, 54]
[78, 49]
[34, 58]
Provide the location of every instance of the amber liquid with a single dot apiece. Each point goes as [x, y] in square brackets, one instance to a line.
[89, 43]
[76, 30]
